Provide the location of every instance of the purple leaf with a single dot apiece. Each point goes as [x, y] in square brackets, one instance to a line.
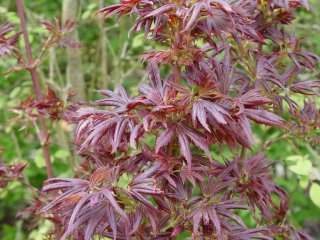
[264, 117]
[164, 138]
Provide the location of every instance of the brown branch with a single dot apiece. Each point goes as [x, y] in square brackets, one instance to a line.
[32, 69]
[272, 141]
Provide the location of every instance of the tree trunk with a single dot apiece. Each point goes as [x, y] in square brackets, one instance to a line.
[74, 68]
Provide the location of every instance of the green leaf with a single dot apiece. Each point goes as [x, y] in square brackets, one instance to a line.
[302, 167]
[124, 180]
[90, 10]
[295, 158]
[3, 10]
[137, 40]
[302, 164]
[12, 17]
[39, 159]
[9, 232]
[315, 194]
[62, 154]
[15, 92]
[43, 230]
[183, 235]
[304, 181]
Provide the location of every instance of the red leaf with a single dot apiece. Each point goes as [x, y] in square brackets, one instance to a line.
[164, 138]
[264, 117]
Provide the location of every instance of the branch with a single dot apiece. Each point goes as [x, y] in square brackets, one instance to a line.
[43, 138]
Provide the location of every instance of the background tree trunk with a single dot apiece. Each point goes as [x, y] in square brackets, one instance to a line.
[75, 77]
[104, 56]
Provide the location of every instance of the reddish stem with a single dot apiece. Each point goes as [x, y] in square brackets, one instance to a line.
[177, 73]
[44, 137]
[28, 185]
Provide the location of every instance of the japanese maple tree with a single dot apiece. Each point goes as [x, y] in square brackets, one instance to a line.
[149, 171]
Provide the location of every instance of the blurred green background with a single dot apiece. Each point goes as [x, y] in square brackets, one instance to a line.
[109, 58]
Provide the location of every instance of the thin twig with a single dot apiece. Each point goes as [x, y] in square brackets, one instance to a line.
[271, 142]
[242, 157]
[28, 185]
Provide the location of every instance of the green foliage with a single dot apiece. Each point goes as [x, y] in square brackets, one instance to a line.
[315, 194]
[302, 165]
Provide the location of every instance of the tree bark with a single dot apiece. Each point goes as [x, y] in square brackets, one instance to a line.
[75, 77]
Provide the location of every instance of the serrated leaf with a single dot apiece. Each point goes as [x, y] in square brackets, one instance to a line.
[264, 117]
[164, 138]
